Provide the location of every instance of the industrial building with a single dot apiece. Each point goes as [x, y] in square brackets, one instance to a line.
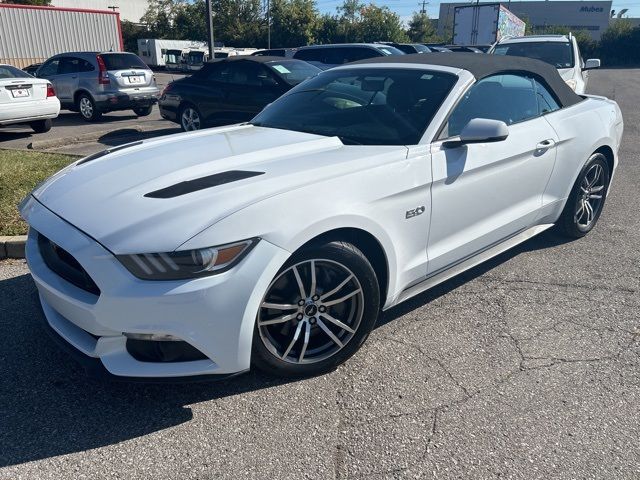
[592, 17]
[131, 10]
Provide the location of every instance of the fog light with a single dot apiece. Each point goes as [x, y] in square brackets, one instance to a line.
[152, 337]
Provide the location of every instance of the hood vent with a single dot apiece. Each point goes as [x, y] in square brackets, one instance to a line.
[191, 186]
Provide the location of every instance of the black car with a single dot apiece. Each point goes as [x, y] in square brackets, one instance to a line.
[332, 55]
[276, 52]
[232, 90]
[437, 47]
[464, 49]
[409, 48]
[32, 69]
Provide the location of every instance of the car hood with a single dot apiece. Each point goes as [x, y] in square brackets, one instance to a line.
[107, 197]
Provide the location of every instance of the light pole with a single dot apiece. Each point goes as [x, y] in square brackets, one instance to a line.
[210, 38]
[269, 24]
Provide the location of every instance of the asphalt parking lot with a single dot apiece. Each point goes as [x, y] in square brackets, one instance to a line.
[527, 367]
[114, 128]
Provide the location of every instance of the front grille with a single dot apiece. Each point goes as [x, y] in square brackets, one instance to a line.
[62, 262]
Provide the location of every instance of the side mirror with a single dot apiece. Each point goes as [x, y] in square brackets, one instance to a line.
[592, 64]
[480, 130]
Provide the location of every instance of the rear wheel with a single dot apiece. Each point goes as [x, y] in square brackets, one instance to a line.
[317, 312]
[87, 108]
[585, 203]
[143, 111]
[42, 126]
[190, 118]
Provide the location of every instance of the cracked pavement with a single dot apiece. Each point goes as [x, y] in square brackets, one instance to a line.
[526, 367]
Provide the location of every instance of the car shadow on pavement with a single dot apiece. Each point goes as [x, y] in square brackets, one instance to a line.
[73, 119]
[548, 239]
[49, 407]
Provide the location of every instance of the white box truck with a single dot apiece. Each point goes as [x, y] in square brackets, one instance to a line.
[485, 24]
[158, 52]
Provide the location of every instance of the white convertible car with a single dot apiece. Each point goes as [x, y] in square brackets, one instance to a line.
[26, 100]
[277, 243]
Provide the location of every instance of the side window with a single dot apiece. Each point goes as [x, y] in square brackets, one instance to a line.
[49, 68]
[546, 102]
[360, 53]
[509, 98]
[310, 55]
[86, 66]
[69, 65]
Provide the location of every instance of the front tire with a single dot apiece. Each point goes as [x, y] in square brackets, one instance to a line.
[317, 312]
[586, 200]
[42, 126]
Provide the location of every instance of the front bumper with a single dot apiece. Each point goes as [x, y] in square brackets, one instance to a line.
[214, 314]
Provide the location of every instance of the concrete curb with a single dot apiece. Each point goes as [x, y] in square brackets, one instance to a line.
[12, 247]
[91, 137]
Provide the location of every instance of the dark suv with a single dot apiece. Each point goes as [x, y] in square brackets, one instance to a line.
[94, 83]
[328, 56]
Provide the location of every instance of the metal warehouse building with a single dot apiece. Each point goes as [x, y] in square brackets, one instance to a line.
[33, 34]
[592, 17]
[131, 10]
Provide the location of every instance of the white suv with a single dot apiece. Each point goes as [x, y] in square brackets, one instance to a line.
[561, 51]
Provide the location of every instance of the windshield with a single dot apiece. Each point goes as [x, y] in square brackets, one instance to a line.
[7, 71]
[558, 54]
[173, 56]
[388, 50]
[294, 71]
[372, 106]
[122, 61]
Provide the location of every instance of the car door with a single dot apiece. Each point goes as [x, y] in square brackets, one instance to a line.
[484, 193]
[67, 78]
[251, 87]
[49, 71]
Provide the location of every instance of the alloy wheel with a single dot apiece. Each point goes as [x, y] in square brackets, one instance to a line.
[311, 311]
[86, 107]
[190, 119]
[590, 197]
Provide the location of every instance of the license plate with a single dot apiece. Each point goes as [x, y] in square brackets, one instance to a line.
[136, 79]
[20, 93]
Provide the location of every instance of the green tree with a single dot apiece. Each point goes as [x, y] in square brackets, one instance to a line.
[160, 17]
[131, 32]
[380, 24]
[348, 20]
[328, 30]
[293, 23]
[421, 29]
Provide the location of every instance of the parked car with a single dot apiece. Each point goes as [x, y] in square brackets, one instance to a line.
[278, 242]
[463, 49]
[32, 69]
[230, 90]
[26, 100]
[94, 83]
[437, 47]
[561, 51]
[276, 52]
[409, 48]
[329, 56]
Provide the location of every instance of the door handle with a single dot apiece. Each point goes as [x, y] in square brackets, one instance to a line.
[545, 144]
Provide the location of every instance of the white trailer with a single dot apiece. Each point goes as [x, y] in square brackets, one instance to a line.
[31, 34]
[155, 52]
[485, 24]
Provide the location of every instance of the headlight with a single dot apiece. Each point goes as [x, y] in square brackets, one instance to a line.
[188, 263]
[572, 83]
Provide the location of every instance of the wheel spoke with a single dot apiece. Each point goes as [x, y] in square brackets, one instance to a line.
[295, 339]
[284, 319]
[595, 197]
[337, 289]
[342, 299]
[299, 281]
[337, 322]
[580, 212]
[329, 333]
[597, 189]
[307, 334]
[589, 210]
[279, 306]
[313, 278]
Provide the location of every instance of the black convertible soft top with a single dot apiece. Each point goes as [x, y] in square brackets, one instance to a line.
[482, 66]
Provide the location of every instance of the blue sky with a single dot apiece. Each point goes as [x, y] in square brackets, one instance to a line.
[405, 8]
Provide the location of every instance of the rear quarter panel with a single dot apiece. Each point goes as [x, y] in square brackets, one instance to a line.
[582, 129]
